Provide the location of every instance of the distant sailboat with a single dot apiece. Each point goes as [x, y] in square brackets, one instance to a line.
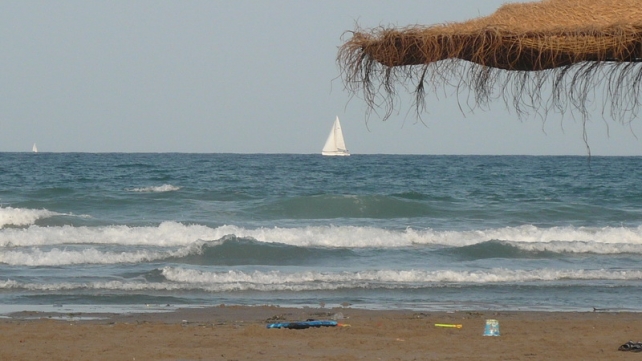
[34, 148]
[335, 145]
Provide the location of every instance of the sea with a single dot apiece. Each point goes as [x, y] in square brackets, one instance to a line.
[133, 232]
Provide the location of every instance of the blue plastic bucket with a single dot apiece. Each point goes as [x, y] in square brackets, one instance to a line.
[492, 328]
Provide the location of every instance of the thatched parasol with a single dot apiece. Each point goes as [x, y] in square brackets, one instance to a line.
[553, 54]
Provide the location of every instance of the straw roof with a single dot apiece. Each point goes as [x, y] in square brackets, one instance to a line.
[552, 54]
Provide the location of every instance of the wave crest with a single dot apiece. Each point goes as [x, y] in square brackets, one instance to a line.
[311, 280]
[156, 189]
[21, 216]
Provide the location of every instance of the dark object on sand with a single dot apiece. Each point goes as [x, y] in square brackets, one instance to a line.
[303, 324]
[631, 346]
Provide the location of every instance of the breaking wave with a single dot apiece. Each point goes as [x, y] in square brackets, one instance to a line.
[22, 217]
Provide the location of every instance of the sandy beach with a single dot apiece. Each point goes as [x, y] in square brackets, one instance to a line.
[240, 333]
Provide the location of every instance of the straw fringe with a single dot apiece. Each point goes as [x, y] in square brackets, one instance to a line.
[568, 48]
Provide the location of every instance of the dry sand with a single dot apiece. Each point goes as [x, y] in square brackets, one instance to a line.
[239, 333]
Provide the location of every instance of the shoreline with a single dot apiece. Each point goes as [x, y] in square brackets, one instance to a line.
[240, 333]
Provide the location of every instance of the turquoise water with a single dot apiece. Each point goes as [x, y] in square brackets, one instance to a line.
[372, 231]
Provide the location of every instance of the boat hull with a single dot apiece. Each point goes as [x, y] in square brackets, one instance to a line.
[335, 154]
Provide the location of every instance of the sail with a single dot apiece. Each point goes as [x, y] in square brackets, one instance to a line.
[34, 148]
[338, 137]
[335, 144]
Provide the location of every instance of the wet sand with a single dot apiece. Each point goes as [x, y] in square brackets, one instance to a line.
[240, 333]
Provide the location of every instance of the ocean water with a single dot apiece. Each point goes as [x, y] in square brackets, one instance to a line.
[127, 231]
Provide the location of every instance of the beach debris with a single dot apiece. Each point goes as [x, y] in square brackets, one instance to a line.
[492, 328]
[299, 325]
[448, 325]
[631, 346]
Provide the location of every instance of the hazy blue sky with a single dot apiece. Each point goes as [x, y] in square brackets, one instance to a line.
[237, 76]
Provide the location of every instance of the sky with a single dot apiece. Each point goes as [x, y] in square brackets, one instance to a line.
[239, 76]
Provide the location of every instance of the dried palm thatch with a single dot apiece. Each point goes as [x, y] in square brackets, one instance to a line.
[540, 56]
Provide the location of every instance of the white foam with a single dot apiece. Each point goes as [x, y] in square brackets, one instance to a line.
[277, 280]
[188, 279]
[156, 189]
[579, 247]
[167, 234]
[173, 234]
[21, 216]
[60, 257]
[529, 235]
[110, 285]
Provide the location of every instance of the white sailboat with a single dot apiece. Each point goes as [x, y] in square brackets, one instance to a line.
[335, 145]
[34, 148]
